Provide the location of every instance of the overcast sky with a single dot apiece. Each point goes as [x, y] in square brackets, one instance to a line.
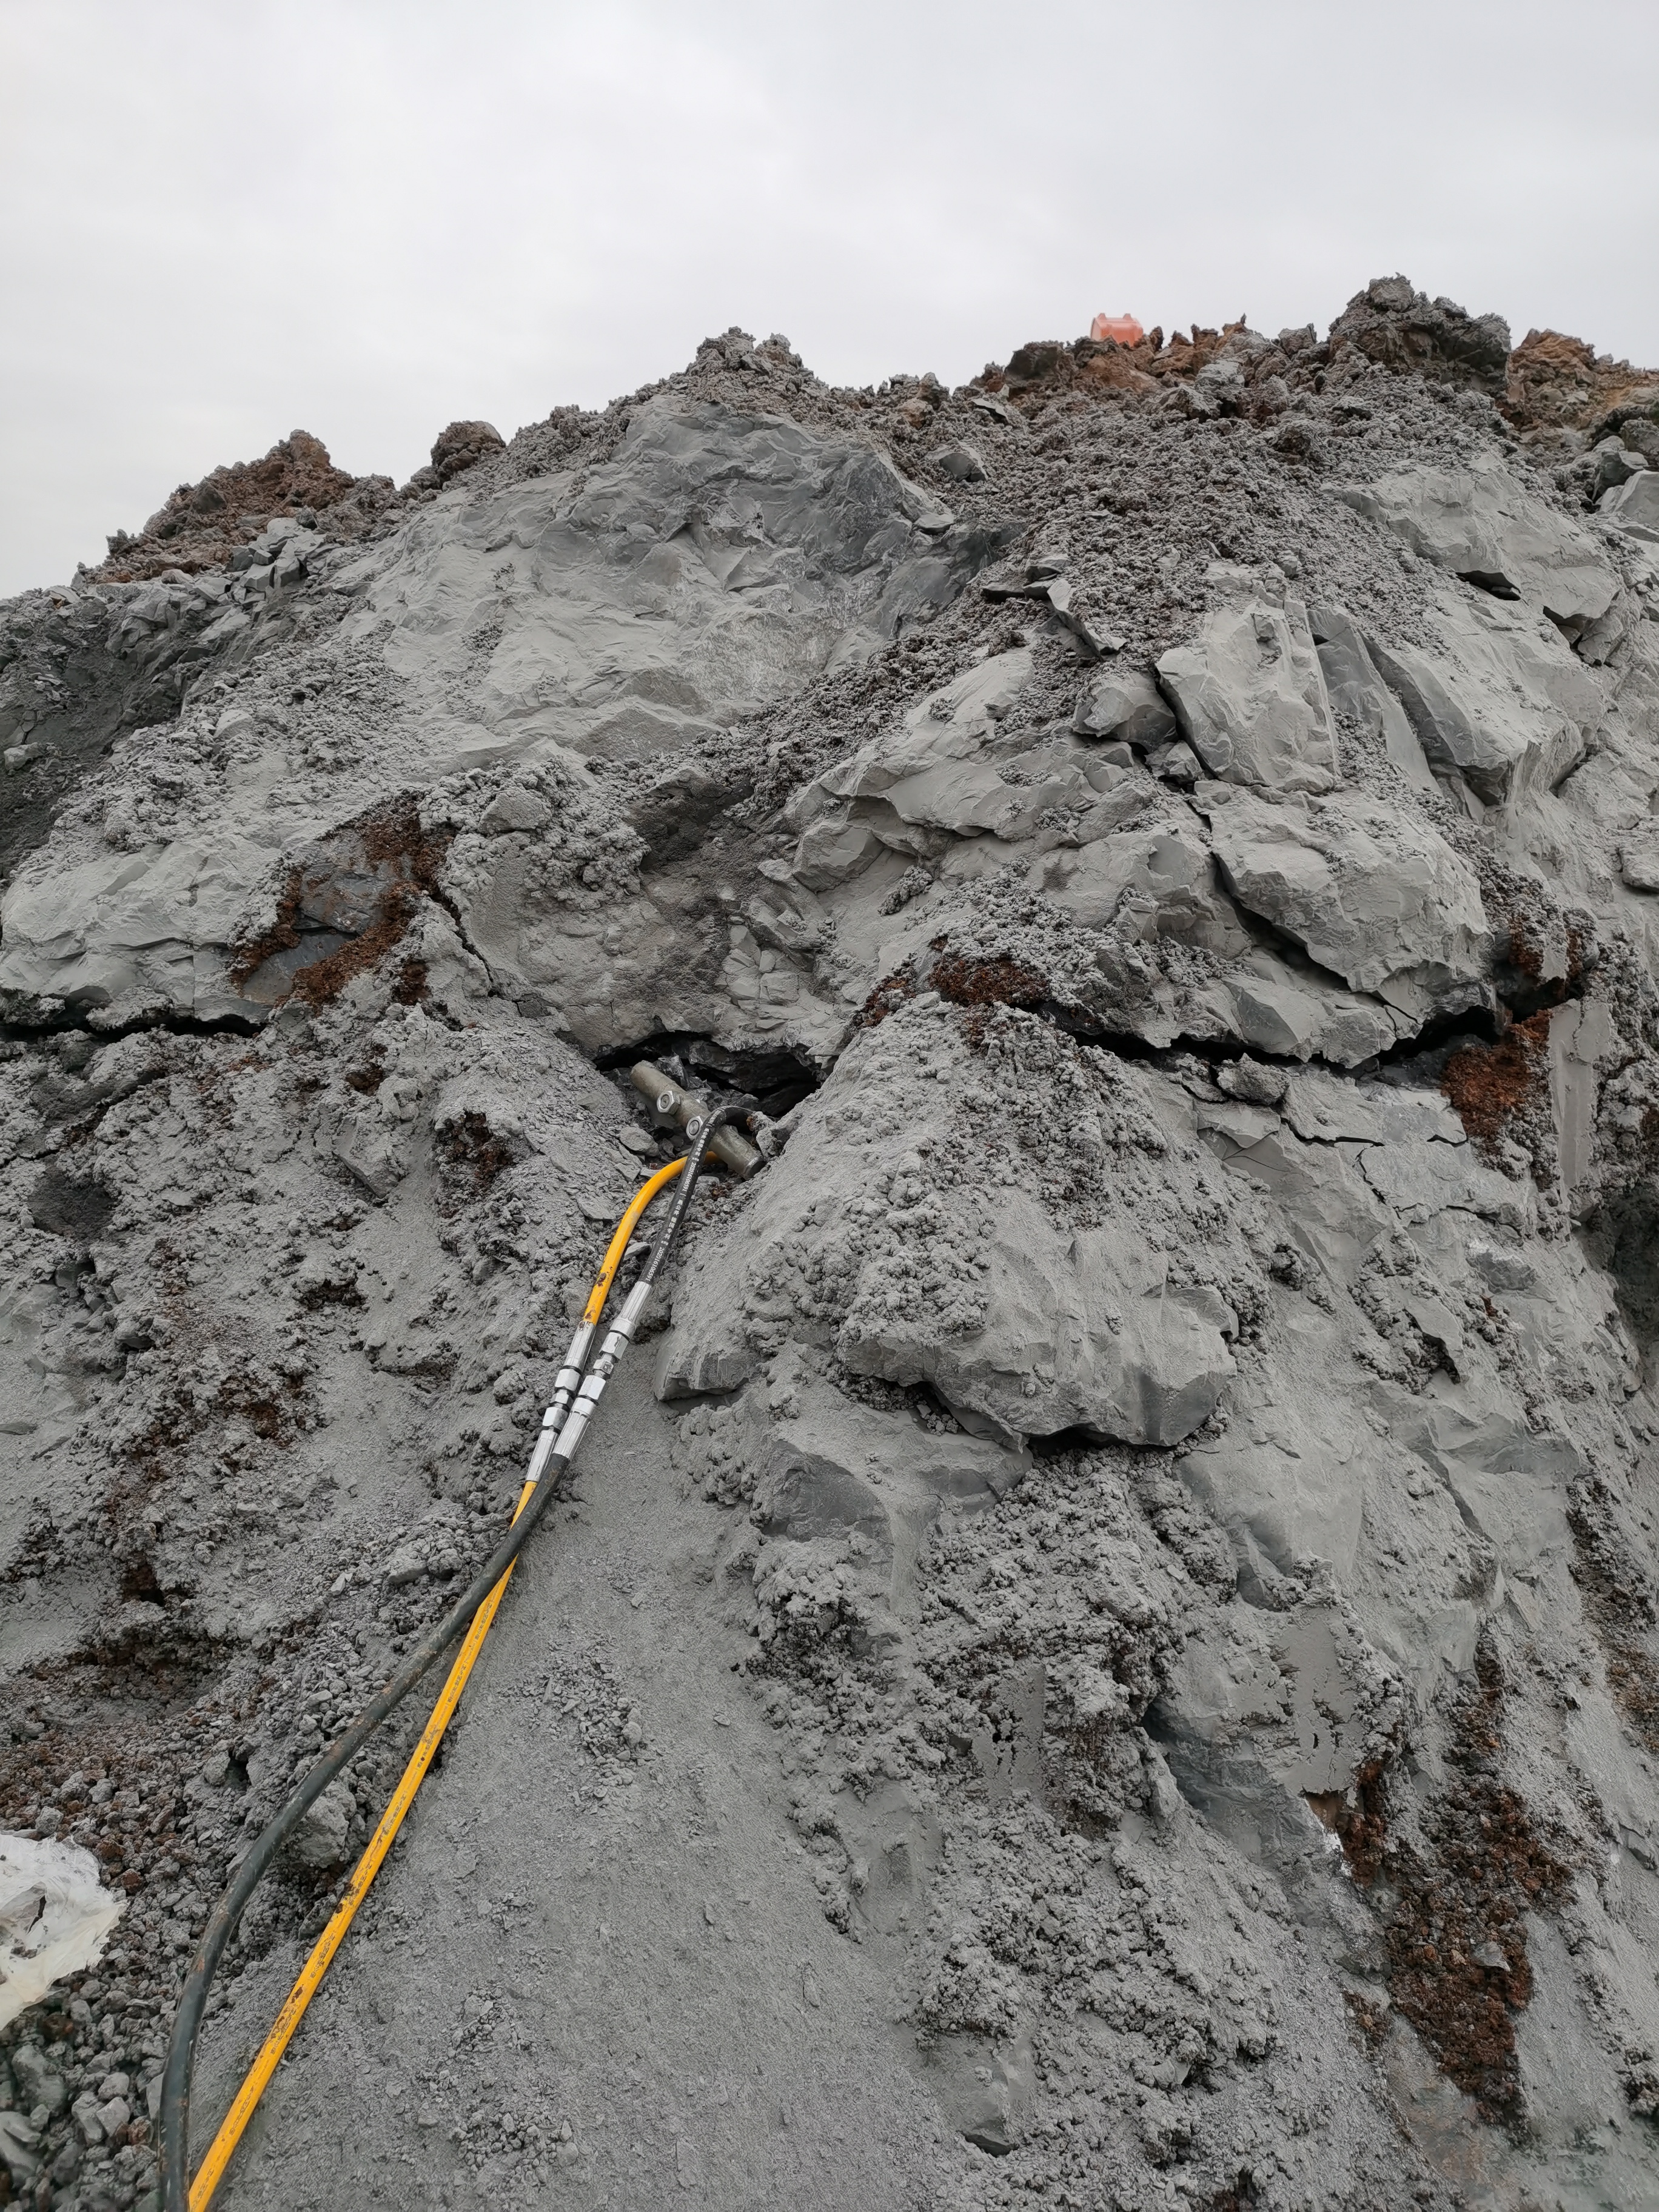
[366, 217]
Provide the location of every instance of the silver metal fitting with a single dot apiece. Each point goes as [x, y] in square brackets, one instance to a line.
[728, 1145]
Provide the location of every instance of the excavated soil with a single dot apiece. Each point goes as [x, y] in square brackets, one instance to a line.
[1104, 1650]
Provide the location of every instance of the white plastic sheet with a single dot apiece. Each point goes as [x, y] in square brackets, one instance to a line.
[55, 1916]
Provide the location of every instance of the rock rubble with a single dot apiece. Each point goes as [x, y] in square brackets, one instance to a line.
[1105, 1651]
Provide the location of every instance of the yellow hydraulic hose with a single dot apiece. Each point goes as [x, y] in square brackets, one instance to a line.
[619, 1243]
[235, 2121]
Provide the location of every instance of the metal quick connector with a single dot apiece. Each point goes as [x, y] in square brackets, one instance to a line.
[565, 1387]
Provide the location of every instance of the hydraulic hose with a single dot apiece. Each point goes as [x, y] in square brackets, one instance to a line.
[222, 1921]
[575, 1398]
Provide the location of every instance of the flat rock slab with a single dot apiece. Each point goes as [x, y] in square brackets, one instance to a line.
[1499, 698]
[147, 928]
[1164, 873]
[1251, 700]
[1377, 898]
[1482, 524]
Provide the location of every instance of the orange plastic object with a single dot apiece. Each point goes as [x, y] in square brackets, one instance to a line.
[1124, 328]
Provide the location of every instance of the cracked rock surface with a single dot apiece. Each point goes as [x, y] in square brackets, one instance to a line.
[1103, 1651]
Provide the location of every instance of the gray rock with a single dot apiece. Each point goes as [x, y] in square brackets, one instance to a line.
[985, 2087]
[1319, 1107]
[831, 850]
[936, 775]
[756, 550]
[321, 1841]
[1504, 703]
[1274, 1013]
[1614, 465]
[38, 2081]
[406, 1565]
[1638, 859]
[1247, 1079]
[114, 2113]
[1378, 898]
[1634, 505]
[1164, 876]
[1421, 1178]
[462, 445]
[1480, 523]
[718, 561]
[1124, 703]
[1358, 691]
[919, 814]
[1251, 700]
[19, 2149]
[962, 464]
[146, 927]
[1059, 1326]
[515, 808]
[1177, 763]
[1223, 381]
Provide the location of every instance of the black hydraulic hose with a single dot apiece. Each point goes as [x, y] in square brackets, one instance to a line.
[223, 1920]
[701, 1134]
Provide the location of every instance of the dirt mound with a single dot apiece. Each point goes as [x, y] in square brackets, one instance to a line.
[1113, 1628]
[201, 525]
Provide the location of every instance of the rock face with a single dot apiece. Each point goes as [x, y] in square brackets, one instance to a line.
[1127, 1550]
[1250, 699]
[1552, 380]
[1051, 1327]
[462, 446]
[1383, 902]
[713, 562]
[1500, 703]
[1480, 524]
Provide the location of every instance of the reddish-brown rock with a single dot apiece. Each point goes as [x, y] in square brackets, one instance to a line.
[202, 524]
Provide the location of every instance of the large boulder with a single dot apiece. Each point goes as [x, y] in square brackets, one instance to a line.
[1499, 699]
[1251, 700]
[1480, 523]
[1376, 895]
[1029, 1317]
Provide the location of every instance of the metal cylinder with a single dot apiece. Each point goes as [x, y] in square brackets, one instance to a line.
[668, 1096]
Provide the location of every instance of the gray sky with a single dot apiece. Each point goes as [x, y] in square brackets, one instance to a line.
[365, 217]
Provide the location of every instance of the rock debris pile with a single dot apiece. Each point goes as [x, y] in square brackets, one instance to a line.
[1108, 1654]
